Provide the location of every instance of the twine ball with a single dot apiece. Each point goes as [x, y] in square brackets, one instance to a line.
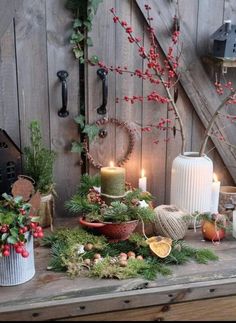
[169, 222]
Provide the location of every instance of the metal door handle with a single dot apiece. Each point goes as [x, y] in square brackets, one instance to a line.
[102, 73]
[62, 75]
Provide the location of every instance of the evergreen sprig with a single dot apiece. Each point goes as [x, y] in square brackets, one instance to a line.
[86, 182]
[38, 161]
[64, 245]
[79, 205]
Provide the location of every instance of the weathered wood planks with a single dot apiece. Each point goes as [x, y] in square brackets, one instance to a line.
[35, 45]
[33, 48]
[9, 118]
[62, 130]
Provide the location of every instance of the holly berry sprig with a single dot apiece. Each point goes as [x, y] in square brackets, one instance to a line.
[15, 222]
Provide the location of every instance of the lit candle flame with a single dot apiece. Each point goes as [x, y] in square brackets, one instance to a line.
[111, 164]
[142, 173]
[215, 179]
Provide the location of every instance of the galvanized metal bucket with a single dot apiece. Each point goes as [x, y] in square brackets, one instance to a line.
[15, 269]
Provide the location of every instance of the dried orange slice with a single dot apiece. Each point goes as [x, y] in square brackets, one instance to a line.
[160, 248]
[159, 238]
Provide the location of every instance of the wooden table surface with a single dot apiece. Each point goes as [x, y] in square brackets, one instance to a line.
[51, 295]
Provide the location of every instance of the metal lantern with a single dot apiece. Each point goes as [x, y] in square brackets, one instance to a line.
[224, 41]
[10, 162]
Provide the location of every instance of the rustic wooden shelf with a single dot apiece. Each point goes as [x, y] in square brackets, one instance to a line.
[193, 292]
[218, 61]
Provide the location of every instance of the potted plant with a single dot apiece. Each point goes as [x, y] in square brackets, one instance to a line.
[116, 221]
[38, 162]
[17, 230]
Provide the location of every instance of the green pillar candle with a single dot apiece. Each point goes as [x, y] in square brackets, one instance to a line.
[113, 181]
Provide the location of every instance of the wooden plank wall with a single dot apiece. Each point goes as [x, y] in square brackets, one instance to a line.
[34, 45]
[202, 18]
[33, 48]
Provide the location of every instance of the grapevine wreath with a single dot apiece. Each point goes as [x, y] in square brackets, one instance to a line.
[121, 124]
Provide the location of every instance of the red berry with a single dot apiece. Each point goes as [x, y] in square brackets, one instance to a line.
[21, 231]
[35, 234]
[33, 225]
[40, 234]
[19, 250]
[39, 229]
[25, 254]
[25, 229]
[6, 253]
[6, 247]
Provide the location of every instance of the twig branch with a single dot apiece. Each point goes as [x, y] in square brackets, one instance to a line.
[212, 121]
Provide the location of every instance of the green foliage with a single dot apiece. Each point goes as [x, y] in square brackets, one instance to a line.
[106, 269]
[181, 252]
[138, 195]
[14, 217]
[119, 211]
[91, 131]
[87, 181]
[122, 211]
[79, 204]
[65, 257]
[38, 161]
[83, 12]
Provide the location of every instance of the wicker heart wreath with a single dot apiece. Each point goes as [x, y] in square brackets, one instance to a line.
[121, 124]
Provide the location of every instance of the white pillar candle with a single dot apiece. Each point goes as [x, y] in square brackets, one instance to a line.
[234, 224]
[142, 182]
[215, 193]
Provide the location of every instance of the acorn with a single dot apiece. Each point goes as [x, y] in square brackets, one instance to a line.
[123, 263]
[97, 256]
[88, 247]
[87, 262]
[131, 254]
[123, 256]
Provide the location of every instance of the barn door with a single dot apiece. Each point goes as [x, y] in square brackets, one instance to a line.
[34, 46]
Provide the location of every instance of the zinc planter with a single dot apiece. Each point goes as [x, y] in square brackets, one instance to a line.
[191, 182]
[15, 269]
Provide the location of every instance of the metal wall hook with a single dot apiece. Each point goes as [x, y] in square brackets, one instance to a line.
[62, 75]
[102, 73]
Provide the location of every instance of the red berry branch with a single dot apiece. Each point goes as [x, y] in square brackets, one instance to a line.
[165, 73]
[157, 72]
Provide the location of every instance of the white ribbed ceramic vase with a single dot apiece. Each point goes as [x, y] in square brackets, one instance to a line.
[15, 269]
[191, 182]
